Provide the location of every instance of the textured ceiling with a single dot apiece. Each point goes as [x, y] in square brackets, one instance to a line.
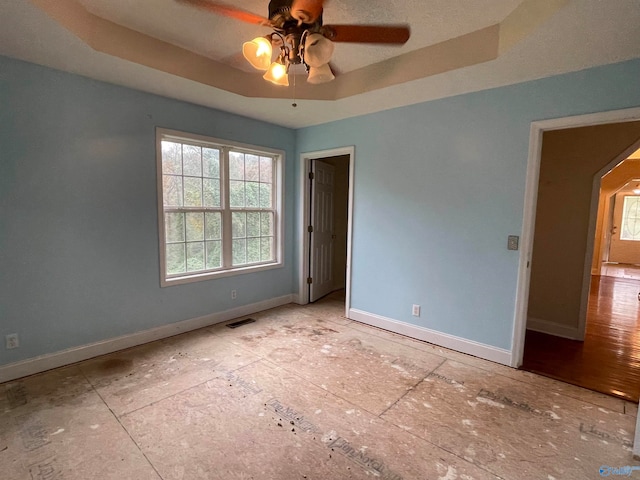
[220, 38]
[522, 40]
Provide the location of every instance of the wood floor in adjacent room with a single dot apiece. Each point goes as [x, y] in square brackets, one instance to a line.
[304, 393]
[608, 360]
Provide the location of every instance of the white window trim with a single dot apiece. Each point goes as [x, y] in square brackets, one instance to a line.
[162, 133]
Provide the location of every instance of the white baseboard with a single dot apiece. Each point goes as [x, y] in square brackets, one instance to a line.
[445, 340]
[544, 326]
[42, 363]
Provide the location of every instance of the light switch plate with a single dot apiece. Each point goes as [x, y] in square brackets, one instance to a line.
[513, 242]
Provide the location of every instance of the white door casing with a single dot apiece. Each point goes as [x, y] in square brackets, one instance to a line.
[304, 219]
[529, 214]
[608, 233]
[322, 237]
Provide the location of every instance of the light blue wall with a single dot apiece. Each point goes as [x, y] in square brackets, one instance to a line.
[438, 188]
[78, 218]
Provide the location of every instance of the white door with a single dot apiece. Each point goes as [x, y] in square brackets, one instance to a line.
[321, 262]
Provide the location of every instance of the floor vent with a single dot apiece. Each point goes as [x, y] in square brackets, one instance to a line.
[240, 323]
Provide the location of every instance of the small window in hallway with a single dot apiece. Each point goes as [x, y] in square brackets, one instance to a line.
[631, 219]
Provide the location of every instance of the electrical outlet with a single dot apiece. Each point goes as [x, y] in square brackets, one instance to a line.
[12, 341]
[234, 294]
[513, 242]
[415, 311]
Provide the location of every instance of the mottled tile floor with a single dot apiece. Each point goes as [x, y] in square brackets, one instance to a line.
[304, 393]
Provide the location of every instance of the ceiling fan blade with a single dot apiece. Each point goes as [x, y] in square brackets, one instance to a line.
[393, 34]
[227, 11]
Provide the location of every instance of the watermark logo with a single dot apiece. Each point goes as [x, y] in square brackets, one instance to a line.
[626, 471]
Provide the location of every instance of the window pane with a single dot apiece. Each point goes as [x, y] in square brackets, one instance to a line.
[196, 208]
[253, 250]
[211, 163]
[266, 170]
[213, 226]
[239, 252]
[211, 192]
[253, 224]
[238, 224]
[214, 254]
[172, 191]
[195, 227]
[192, 160]
[265, 195]
[236, 166]
[195, 256]
[252, 168]
[171, 158]
[175, 258]
[236, 194]
[174, 227]
[192, 192]
[266, 224]
[253, 192]
[266, 249]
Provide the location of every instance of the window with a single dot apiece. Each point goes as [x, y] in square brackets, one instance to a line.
[630, 219]
[219, 207]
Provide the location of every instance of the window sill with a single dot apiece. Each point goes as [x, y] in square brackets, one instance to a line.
[169, 282]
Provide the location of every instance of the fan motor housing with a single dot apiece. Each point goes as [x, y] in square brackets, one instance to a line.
[280, 15]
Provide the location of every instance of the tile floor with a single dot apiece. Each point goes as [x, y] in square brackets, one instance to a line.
[304, 393]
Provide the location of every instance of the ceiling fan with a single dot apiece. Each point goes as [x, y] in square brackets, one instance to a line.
[298, 31]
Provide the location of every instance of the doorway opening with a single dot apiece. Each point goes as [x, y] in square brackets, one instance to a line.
[326, 204]
[617, 244]
[570, 313]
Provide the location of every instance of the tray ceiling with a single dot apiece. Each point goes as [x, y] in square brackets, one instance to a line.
[171, 49]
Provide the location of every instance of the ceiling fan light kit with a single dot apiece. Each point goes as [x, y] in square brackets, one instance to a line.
[317, 53]
[301, 36]
[258, 52]
[277, 74]
[318, 50]
[321, 74]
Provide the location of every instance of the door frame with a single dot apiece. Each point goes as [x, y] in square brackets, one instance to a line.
[304, 203]
[537, 130]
